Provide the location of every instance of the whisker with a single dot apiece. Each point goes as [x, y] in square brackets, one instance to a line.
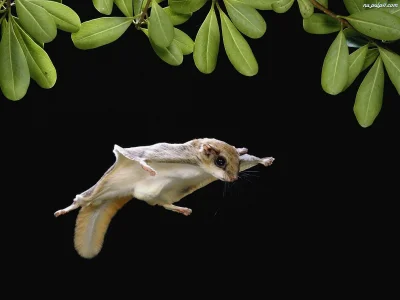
[233, 184]
[247, 179]
[216, 212]
[228, 186]
[251, 175]
[224, 193]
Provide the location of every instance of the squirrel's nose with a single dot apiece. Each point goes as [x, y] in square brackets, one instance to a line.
[234, 178]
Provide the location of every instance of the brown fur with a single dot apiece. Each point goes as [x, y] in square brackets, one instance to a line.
[89, 237]
[214, 148]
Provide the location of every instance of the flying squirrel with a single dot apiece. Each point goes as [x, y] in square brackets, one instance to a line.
[159, 174]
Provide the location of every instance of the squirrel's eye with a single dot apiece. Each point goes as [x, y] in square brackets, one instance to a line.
[220, 161]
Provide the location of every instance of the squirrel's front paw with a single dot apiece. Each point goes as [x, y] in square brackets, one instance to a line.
[150, 170]
[268, 161]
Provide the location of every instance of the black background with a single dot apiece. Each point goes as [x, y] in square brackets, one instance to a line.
[329, 177]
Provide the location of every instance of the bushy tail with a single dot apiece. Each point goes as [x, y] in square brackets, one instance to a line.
[92, 224]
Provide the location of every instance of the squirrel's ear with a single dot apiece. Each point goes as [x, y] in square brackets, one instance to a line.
[241, 151]
[207, 149]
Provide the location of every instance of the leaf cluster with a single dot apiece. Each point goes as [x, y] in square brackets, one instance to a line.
[22, 47]
[360, 48]
[363, 42]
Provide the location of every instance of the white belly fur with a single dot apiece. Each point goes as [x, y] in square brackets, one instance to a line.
[166, 187]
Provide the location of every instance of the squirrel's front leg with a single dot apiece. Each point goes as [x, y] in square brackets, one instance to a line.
[147, 168]
[182, 210]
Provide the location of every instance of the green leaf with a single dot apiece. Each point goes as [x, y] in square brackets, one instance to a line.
[59, 1]
[324, 3]
[237, 49]
[161, 30]
[335, 69]
[393, 10]
[37, 22]
[176, 18]
[99, 32]
[104, 7]
[320, 23]
[40, 66]
[356, 62]
[258, 4]
[306, 8]
[186, 6]
[125, 6]
[354, 6]
[372, 55]
[371, 3]
[14, 71]
[172, 54]
[183, 41]
[19, 23]
[282, 6]
[4, 25]
[376, 24]
[65, 18]
[354, 39]
[206, 44]
[246, 18]
[138, 5]
[391, 61]
[369, 97]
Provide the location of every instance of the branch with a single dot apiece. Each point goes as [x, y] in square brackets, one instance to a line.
[344, 22]
[331, 13]
[5, 6]
[144, 13]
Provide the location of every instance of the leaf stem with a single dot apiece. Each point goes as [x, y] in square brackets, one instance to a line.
[144, 13]
[2, 5]
[343, 22]
[9, 9]
[330, 13]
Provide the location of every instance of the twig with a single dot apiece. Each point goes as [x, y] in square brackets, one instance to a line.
[330, 13]
[144, 13]
[344, 22]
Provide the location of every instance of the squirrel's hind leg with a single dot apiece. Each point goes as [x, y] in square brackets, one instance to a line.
[60, 212]
[182, 210]
[78, 202]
